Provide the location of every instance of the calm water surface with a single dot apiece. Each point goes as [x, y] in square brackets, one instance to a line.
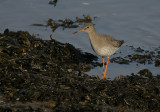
[135, 21]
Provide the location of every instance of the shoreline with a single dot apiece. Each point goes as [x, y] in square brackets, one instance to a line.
[46, 75]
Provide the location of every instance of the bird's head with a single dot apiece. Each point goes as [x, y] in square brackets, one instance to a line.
[88, 27]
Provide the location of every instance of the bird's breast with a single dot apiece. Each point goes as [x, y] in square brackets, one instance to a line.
[105, 51]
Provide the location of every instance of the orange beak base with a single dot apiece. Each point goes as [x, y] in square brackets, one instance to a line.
[82, 30]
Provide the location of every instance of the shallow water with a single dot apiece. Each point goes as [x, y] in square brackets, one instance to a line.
[136, 22]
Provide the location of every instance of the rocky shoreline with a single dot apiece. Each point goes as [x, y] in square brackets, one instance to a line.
[48, 76]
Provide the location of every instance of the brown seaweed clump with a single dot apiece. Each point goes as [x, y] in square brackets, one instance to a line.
[48, 76]
[141, 56]
[66, 23]
[53, 2]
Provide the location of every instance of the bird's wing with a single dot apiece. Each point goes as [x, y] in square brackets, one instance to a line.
[110, 40]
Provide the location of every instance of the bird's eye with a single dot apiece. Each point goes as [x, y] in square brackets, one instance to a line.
[86, 27]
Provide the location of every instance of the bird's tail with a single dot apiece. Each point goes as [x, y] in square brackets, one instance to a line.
[121, 42]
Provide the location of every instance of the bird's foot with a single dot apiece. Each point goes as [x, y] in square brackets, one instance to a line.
[104, 75]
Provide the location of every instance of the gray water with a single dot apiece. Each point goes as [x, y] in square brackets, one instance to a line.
[137, 22]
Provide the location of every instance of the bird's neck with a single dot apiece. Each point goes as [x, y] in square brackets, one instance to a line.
[92, 34]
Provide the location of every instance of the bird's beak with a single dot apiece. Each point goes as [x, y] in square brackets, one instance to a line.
[82, 30]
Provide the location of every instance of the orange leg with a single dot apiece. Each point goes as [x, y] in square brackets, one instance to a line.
[104, 73]
[103, 63]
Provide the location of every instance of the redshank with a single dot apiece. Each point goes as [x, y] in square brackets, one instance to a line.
[103, 45]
